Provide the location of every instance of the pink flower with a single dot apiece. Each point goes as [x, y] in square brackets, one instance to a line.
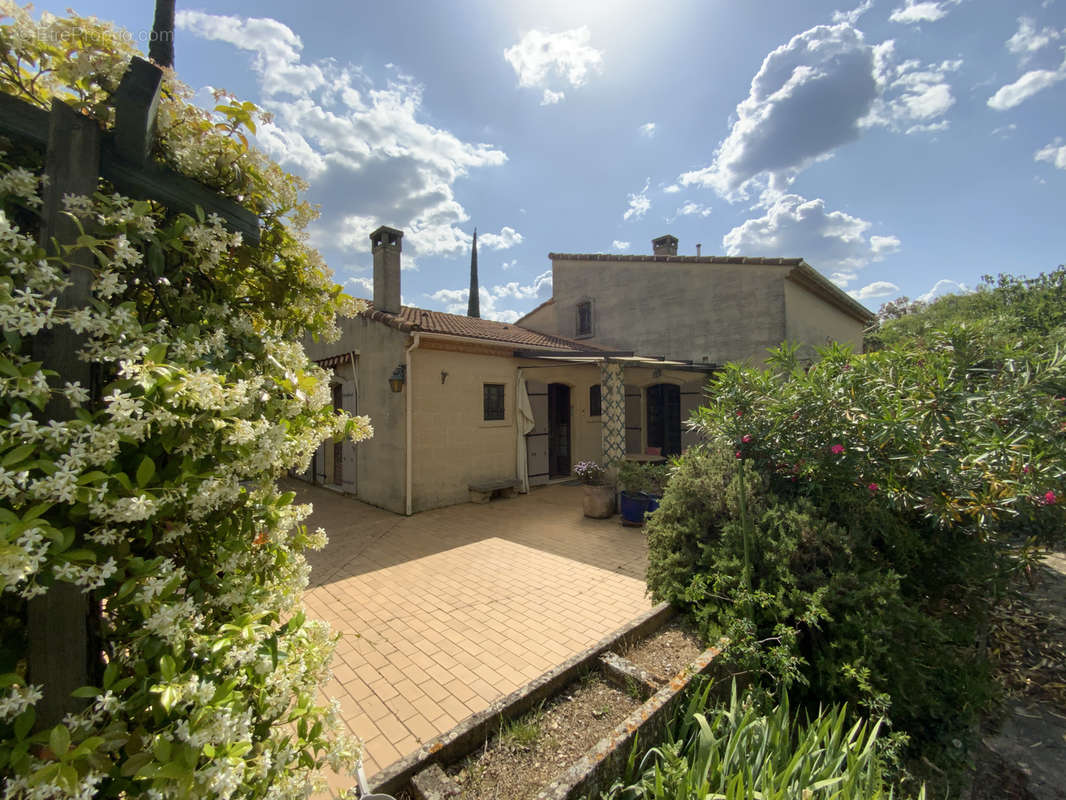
[837, 449]
[1025, 469]
[745, 438]
[739, 454]
[1050, 498]
[873, 487]
[740, 413]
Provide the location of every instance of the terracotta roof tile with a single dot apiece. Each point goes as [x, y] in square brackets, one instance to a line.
[413, 319]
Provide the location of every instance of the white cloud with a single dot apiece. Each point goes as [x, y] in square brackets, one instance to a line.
[370, 157]
[648, 129]
[794, 226]
[1054, 154]
[941, 288]
[691, 209]
[915, 11]
[540, 59]
[1030, 83]
[507, 238]
[617, 245]
[817, 92]
[364, 287]
[673, 188]
[506, 265]
[455, 300]
[852, 16]
[1004, 131]
[639, 204]
[874, 290]
[1027, 40]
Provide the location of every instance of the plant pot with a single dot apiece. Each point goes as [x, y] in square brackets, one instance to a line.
[599, 501]
[634, 506]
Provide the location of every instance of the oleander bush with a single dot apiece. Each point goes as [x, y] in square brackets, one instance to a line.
[156, 496]
[849, 525]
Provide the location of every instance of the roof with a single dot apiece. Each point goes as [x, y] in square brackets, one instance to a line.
[774, 262]
[802, 273]
[421, 320]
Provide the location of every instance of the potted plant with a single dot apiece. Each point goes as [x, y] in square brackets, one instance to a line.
[599, 493]
[642, 489]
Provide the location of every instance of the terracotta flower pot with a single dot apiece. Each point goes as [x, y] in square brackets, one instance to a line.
[599, 501]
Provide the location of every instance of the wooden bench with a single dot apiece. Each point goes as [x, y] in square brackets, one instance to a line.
[483, 492]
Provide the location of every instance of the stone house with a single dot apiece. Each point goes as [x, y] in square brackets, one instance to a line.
[595, 373]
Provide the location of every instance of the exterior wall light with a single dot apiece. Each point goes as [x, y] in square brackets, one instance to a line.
[398, 378]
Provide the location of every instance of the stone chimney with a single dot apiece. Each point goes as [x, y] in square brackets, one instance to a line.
[664, 246]
[385, 244]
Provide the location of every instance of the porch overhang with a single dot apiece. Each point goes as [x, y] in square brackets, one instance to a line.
[621, 357]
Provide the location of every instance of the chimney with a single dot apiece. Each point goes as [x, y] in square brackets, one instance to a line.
[385, 245]
[473, 304]
[664, 246]
[698, 247]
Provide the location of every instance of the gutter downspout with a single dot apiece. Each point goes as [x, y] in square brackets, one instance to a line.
[408, 443]
[355, 458]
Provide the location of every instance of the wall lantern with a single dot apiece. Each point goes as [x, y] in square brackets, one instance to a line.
[397, 378]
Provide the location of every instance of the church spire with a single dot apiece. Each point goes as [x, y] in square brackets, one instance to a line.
[473, 307]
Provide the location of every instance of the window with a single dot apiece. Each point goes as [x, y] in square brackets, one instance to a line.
[494, 401]
[595, 405]
[584, 318]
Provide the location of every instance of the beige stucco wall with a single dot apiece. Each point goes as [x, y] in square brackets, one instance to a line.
[379, 462]
[700, 312]
[542, 318]
[811, 320]
[453, 444]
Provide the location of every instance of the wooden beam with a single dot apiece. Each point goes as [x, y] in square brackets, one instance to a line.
[136, 104]
[148, 180]
[59, 654]
[20, 120]
[151, 182]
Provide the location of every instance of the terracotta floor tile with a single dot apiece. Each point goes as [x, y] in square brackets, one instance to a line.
[458, 606]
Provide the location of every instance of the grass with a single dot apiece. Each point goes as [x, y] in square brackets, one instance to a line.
[525, 730]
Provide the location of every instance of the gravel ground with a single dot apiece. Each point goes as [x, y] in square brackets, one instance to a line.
[666, 652]
[529, 753]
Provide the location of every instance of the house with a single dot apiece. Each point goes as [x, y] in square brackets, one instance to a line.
[458, 401]
[704, 309]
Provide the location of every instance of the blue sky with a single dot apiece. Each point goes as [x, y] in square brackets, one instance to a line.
[899, 146]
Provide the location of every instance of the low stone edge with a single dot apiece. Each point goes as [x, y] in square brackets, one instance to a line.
[473, 731]
[605, 761]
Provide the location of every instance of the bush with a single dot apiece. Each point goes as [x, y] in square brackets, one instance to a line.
[156, 495]
[849, 526]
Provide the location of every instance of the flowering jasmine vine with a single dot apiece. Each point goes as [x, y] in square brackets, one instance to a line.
[149, 496]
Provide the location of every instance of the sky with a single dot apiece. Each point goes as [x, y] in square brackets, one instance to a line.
[901, 147]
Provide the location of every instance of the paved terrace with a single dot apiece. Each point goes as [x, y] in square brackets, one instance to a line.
[445, 611]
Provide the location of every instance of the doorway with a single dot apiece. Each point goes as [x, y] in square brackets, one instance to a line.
[664, 418]
[558, 430]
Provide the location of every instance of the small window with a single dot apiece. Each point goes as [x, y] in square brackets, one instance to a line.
[584, 318]
[594, 401]
[494, 401]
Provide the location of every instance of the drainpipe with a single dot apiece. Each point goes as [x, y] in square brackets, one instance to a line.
[355, 389]
[408, 443]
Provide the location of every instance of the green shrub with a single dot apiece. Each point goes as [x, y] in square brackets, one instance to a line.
[850, 525]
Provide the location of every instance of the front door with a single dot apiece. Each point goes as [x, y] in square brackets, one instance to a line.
[664, 418]
[558, 429]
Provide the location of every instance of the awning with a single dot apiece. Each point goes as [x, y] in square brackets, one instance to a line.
[334, 361]
[628, 360]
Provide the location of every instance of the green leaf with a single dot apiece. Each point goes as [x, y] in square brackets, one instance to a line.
[85, 691]
[167, 668]
[24, 723]
[145, 471]
[17, 455]
[59, 740]
[135, 763]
